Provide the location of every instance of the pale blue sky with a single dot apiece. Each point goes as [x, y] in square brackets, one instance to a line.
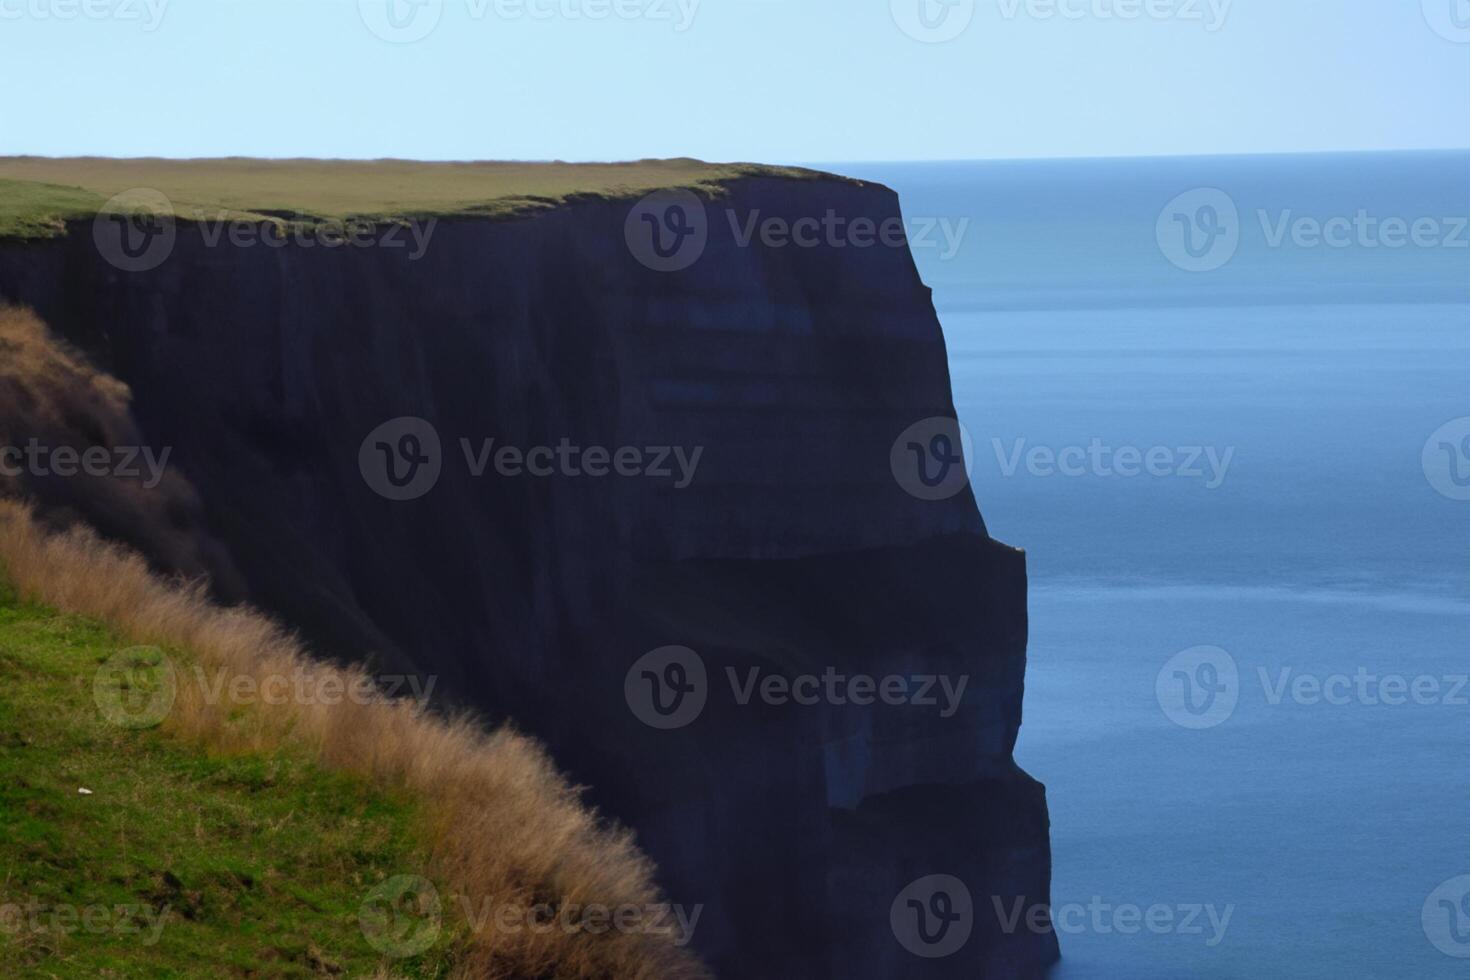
[777, 80]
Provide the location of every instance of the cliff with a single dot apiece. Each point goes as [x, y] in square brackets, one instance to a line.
[778, 542]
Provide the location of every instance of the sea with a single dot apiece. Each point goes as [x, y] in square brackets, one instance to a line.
[1223, 403]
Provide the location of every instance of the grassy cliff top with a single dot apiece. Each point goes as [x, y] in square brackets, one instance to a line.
[38, 194]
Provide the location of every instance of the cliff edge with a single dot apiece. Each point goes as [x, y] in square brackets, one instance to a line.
[654, 510]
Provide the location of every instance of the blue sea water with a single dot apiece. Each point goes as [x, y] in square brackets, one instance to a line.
[1326, 547]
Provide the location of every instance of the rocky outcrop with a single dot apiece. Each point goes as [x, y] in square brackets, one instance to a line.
[771, 384]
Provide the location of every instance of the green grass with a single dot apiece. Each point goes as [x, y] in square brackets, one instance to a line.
[37, 210]
[263, 861]
[37, 195]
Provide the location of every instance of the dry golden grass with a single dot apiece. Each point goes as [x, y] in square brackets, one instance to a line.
[502, 825]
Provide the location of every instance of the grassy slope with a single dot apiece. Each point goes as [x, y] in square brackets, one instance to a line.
[38, 194]
[264, 860]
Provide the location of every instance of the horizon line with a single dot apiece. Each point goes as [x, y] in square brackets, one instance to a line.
[1096, 158]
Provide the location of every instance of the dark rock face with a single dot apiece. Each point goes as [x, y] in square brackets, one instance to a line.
[792, 551]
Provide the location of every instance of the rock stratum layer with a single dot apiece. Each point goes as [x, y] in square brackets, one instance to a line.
[793, 550]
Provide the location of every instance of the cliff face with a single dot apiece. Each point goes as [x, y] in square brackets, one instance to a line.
[785, 547]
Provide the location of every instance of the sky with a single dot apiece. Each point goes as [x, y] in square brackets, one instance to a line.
[765, 80]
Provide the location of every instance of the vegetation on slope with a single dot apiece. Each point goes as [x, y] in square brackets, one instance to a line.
[175, 862]
[38, 195]
[303, 832]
